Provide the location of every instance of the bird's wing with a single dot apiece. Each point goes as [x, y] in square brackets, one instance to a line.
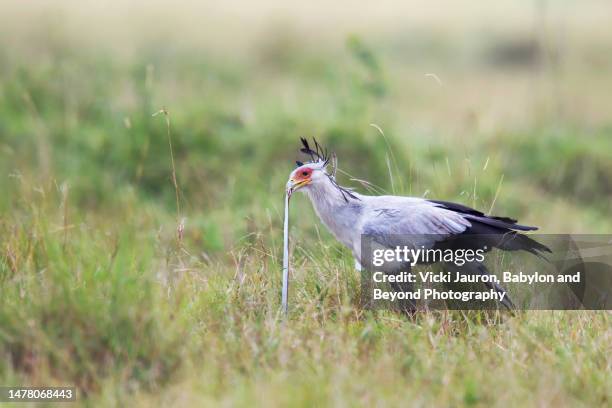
[481, 218]
[393, 221]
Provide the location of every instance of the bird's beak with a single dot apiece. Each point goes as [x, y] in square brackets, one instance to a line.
[293, 185]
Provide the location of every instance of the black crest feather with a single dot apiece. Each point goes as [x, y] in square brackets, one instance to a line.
[320, 154]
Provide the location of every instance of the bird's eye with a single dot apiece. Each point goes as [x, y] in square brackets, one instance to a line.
[304, 173]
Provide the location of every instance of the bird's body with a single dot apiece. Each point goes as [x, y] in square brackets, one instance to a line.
[348, 220]
[396, 220]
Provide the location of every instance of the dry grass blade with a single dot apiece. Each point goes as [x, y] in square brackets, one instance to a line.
[179, 220]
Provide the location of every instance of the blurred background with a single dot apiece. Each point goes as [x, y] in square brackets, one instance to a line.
[504, 106]
[465, 94]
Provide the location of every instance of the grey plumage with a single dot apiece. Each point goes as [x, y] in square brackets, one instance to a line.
[389, 218]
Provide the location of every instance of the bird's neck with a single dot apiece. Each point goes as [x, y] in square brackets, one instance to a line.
[325, 197]
[337, 213]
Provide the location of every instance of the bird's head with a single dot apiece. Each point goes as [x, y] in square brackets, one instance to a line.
[309, 174]
[313, 173]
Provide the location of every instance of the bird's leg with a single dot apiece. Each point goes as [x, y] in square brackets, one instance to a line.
[466, 269]
[475, 269]
[407, 306]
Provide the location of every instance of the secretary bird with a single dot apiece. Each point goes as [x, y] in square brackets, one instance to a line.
[439, 224]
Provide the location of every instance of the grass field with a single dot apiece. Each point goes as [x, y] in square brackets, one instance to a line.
[503, 107]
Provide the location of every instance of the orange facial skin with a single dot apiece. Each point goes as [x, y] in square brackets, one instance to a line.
[302, 174]
[300, 177]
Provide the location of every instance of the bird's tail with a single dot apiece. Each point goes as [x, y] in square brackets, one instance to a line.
[514, 241]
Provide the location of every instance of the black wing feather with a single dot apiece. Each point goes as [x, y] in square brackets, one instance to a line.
[488, 227]
[494, 221]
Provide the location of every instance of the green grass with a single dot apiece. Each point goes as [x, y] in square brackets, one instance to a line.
[96, 291]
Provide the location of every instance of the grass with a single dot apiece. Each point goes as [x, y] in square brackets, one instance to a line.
[96, 292]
